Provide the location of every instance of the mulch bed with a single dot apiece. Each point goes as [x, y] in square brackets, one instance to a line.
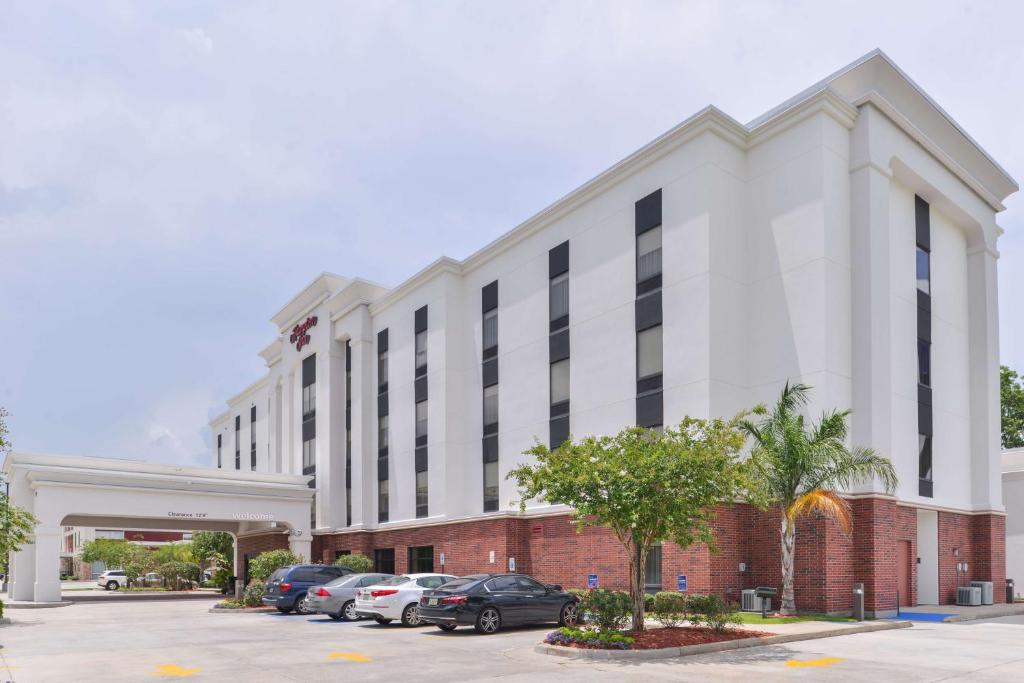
[655, 638]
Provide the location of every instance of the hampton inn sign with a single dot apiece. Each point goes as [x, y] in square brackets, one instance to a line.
[300, 333]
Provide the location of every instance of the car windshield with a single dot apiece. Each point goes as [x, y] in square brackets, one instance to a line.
[395, 581]
[279, 574]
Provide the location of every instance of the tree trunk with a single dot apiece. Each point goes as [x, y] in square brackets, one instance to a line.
[788, 533]
[636, 588]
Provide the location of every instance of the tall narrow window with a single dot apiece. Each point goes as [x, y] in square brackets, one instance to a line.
[309, 415]
[922, 228]
[420, 397]
[648, 312]
[652, 570]
[383, 475]
[348, 433]
[238, 442]
[220, 442]
[252, 438]
[489, 374]
[558, 343]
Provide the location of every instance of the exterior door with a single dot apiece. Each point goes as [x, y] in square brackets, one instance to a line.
[903, 573]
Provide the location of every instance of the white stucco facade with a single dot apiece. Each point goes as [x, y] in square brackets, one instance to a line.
[788, 252]
[1013, 498]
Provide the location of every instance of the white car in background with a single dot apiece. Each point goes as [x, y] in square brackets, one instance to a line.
[112, 579]
[397, 598]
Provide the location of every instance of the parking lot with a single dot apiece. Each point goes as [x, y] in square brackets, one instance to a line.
[147, 640]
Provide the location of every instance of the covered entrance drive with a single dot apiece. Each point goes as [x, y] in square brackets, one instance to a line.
[76, 491]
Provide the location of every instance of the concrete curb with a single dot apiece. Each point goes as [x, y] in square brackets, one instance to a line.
[1007, 611]
[128, 597]
[687, 650]
[35, 605]
[241, 610]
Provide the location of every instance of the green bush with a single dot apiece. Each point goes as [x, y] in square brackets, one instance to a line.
[360, 564]
[265, 564]
[648, 603]
[253, 594]
[177, 574]
[669, 608]
[609, 610]
[711, 611]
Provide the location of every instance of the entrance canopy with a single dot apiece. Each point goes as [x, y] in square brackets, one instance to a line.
[130, 494]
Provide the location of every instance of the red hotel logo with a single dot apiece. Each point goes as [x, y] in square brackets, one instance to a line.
[300, 333]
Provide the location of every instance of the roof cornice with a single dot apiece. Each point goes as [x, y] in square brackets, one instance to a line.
[311, 296]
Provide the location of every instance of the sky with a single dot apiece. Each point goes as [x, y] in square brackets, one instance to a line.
[172, 173]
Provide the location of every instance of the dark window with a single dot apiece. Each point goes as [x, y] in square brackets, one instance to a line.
[421, 419]
[528, 585]
[348, 433]
[382, 372]
[502, 583]
[489, 375]
[421, 559]
[490, 486]
[652, 570]
[924, 457]
[382, 433]
[382, 499]
[421, 494]
[924, 363]
[338, 554]
[490, 405]
[384, 560]
[309, 415]
[923, 271]
[560, 381]
[559, 297]
[238, 438]
[252, 438]
[490, 336]
[219, 445]
[649, 352]
[648, 254]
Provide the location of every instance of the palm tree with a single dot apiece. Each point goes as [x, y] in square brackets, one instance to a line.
[800, 465]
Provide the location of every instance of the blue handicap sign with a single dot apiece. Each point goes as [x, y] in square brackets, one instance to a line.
[682, 582]
[592, 581]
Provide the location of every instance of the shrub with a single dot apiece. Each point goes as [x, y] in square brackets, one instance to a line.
[711, 611]
[360, 564]
[265, 564]
[253, 595]
[669, 608]
[648, 603]
[604, 640]
[609, 610]
[177, 573]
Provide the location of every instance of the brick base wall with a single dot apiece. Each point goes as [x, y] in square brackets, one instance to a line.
[828, 560]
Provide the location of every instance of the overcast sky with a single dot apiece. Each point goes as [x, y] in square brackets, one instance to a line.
[172, 173]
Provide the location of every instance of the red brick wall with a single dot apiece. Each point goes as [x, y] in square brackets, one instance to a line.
[906, 530]
[989, 542]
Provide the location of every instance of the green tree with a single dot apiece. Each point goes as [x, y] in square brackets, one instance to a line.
[646, 487]
[360, 564]
[16, 524]
[1011, 394]
[799, 466]
[138, 561]
[213, 546]
[111, 552]
[174, 552]
[265, 564]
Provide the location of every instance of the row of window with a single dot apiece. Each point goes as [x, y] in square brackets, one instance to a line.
[922, 220]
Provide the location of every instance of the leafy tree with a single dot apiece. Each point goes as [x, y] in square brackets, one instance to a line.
[360, 564]
[1011, 394]
[174, 552]
[265, 564]
[16, 524]
[646, 487]
[177, 573]
[800, 465]
[111, 552]
[213, 546]
[138, 561]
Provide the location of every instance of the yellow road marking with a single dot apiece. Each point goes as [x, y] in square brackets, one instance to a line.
[174, 670]
[824, 661]
[350, 656]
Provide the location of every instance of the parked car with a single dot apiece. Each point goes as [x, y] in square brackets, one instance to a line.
[489, 601]
[397, 598]
[112, 579]
[337, 599]
[286, 588]
[153, 579]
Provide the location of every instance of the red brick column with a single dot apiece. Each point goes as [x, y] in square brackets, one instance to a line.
[874, 552]
[988, 539]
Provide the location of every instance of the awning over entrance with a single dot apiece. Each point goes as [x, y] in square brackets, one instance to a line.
[130, 494]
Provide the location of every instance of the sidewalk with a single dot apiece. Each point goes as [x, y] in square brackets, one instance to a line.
[956, 613]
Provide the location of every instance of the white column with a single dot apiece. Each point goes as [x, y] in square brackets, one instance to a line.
[301, 546]
[47, 579]
[23, 573]
[871, 300]
[983, 333]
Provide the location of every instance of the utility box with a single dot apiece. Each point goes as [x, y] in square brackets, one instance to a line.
[968, 596]
[1009, 592]
[987, 592]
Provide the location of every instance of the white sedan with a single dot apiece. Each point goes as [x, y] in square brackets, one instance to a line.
[397, 598]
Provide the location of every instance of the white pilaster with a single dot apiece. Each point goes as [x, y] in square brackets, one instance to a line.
[47, 564]
[983, 332]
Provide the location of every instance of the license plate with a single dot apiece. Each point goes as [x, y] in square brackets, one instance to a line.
[432, 601]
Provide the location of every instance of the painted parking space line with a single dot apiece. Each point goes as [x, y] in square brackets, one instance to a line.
[348, 656]
[173, 671]
[813, 663]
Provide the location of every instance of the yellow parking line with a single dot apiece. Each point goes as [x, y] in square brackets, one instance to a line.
[174, 670]
[350, 656]
[810, 663]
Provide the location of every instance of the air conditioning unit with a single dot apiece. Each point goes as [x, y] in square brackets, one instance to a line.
[749, 601]
[986, 591]
[969, 596]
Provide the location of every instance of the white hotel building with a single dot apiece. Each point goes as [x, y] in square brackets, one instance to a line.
[846, 239]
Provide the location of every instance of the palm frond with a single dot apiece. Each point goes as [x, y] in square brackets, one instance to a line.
[828, 503]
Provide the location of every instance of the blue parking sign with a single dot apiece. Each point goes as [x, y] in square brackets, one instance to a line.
[592, 581]
[682, 583]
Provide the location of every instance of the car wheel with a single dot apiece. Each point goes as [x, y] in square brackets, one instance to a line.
[488, 621]
[569, 615]
[112, 585]
[348, 611]
[382, 621]
[284, 610]
[300, 605]
[446, 627]
[411, 615]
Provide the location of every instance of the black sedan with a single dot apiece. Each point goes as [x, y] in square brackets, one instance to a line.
[490, 601]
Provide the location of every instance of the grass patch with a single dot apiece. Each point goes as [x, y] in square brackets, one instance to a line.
[756, 618]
